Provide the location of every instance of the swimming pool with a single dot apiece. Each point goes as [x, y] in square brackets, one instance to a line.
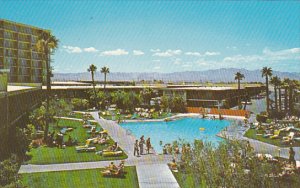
[187, 129]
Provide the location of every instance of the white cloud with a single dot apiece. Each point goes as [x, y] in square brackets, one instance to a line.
[157, 68]
[267, 55]
[156, 60]
[90, 49]
[138, 52]
[193, 53]
[168, 53]
[211, 53]
[202, 55]
[155, 50]
[117, 52]
[72, 49]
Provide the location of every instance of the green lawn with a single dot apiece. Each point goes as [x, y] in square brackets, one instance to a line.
[48, 155]
[251, 133]
[186, 180]
[79, 178]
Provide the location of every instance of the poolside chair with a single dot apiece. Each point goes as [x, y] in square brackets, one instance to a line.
[111, 153]
[276, 134]
[289, 137]
[86, 147]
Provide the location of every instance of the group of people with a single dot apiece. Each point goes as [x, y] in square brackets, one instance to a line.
[112, 169]
[139, 146]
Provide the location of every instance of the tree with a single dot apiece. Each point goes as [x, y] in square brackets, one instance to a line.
[9, 172]
[267, 72]
[79, 104]
[293, 84]
[46, 44]
[147, 94]
[239, 76]
[165, 102]
[224, 166]
[276, 82]
[280, 95]
[92, 69]
[178, 104]
[286, 82]
[246, 99]
[105, 71]
[60, 108]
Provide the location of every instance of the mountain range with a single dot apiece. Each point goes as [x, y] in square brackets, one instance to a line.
[216, 75]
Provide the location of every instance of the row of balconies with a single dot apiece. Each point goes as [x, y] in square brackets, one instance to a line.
[19, 28]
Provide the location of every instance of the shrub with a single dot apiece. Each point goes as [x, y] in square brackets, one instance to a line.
[9, 172]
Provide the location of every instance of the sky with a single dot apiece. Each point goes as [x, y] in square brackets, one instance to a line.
[166, 36]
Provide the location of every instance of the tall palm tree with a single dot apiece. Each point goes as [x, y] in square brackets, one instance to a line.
[46, 44]
[92, 69]
[286, 82]
[105, 71]
[279, 95]
[292, 86]
[275, 81]
[267, 72]
[239, 76]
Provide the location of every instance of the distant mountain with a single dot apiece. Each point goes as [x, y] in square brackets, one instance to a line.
[217, 75]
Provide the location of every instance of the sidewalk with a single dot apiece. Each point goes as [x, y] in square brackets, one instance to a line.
[157, 175]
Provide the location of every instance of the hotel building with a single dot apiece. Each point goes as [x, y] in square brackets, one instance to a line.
[17, 53]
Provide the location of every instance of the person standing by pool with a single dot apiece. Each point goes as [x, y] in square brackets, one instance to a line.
[141, 144]
[148, 145]
[292, 156]
[136, 148]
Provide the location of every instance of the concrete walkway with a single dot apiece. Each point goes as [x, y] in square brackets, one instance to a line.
[156, 175]
[118, 134]
[133, 161]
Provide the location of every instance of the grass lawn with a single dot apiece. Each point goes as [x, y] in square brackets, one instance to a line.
[186, 180]
[251, 133]
[50, 155]
[79, 178]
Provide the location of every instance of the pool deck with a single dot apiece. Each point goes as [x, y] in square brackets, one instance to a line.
[236, 132]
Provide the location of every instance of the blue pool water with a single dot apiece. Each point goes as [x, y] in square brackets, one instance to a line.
[187, 129]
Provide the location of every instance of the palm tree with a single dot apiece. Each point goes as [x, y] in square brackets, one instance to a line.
[246, 99]
[292, 86]
[46, 44]
[239, 76]
[267, 72]
[92, 69]
[275, 81]
[105, 71]
[280, 97]
[286, 82]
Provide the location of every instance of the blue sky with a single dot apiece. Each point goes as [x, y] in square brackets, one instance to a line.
[157, 36]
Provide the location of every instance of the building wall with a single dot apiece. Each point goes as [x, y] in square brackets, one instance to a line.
[17, 52]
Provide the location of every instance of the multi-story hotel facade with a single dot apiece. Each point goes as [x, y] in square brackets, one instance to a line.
[17, 52]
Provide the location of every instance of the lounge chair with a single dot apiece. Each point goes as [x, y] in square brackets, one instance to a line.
[111, 153]
[276, 134]
[289, 137]
[86, 147]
